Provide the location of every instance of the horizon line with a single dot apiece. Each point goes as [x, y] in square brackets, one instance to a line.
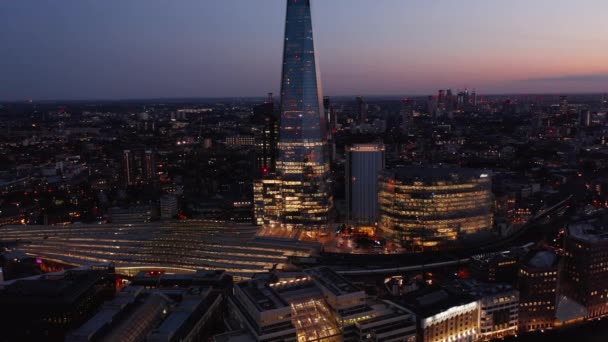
[135, 99]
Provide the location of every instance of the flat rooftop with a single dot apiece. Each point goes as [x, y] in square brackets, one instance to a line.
[542, 259]
[478, 289]
[433, 174]
[432, 300]
[65, 286]
[134, 303]
[332, 281]
[588, 232]
[262, 295]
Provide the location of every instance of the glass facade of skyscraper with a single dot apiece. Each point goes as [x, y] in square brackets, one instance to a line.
[422, 207]
[302, 165]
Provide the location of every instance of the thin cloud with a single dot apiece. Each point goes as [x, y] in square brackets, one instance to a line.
[603, 77]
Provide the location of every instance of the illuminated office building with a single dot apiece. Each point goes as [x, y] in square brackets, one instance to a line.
[363, 162]
[267, 201]
[498, 307]
[424, 207]
[443, 316]
[302, 166]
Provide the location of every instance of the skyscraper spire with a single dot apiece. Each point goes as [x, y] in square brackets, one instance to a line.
[298, 196]
[303, 164]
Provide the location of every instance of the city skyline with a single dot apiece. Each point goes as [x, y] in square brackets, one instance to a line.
[304, 215]
[111, 50]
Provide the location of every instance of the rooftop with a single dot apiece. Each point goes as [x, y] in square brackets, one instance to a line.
[332, 281]
[431, 174]
[543, 259]
[588, 232]
[366, 148]
[152, 311]
[479, 289]
[64, 286]
[432, 300]
[262, 295]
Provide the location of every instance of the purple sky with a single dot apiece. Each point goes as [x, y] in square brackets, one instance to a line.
[111, 49]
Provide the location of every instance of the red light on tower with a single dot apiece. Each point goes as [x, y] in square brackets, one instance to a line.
[265, 171]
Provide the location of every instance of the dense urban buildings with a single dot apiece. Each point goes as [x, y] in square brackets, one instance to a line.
[423, 207]
[453, 215]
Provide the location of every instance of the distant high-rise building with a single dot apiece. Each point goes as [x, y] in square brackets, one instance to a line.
[585, 117]
[563, 104]
[303, 197]
[460, 99]
[149, 166]
[128, 161]
[329, 115]
[407, 114]
[432, 106]
[474, 97]
[332, 124]
[441, 98]
[449, 99]
[363, 162]
[361, 110]
[266, 139]
[463, 99]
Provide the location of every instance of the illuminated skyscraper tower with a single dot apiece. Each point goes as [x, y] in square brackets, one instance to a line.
[302, 165]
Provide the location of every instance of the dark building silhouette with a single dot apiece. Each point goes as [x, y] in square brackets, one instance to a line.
[267, 137]
[47, 307]
[128, 167]
[361, 110]
[149, 166]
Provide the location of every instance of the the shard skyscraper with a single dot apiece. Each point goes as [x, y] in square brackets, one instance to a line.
[300, 191]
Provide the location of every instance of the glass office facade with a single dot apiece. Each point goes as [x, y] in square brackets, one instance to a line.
[423, 207]
[302, 165]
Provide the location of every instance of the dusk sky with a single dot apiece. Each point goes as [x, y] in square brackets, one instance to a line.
[117, 49]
